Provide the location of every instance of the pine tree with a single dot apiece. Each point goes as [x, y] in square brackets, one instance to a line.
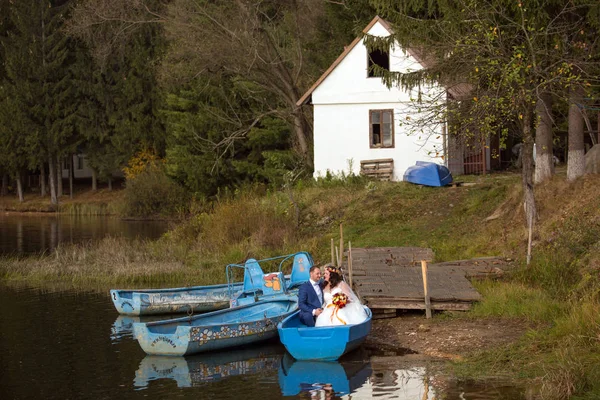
[37, 65]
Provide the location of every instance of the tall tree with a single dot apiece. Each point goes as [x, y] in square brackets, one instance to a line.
[263, 42]
[544, 161]
[37, 66]
[502, 49]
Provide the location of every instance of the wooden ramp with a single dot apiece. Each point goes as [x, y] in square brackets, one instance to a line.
[389, 279]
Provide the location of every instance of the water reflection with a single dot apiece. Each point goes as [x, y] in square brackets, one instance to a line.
[69, 345]
[122, 328]
[23, 233]
[410, 383]
[321, 379]
[209, 367]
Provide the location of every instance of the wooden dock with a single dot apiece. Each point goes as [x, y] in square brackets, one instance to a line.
[390, 278]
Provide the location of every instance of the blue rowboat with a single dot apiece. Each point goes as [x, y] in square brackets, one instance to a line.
[428, 174]
[198, 369]
[215, 330]
[324, 377]
[190, 299]
[325, 343]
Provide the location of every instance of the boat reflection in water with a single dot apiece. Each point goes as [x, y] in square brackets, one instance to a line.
[123, 325]
[322, 379]
[209, 367]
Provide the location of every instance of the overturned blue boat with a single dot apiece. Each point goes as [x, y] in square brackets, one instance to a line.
[216, 330]
[428, 174]
[327, 343]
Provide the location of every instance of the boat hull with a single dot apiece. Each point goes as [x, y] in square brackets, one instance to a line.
[214, 331]
[193, 299]
[326, 343]
[428, 174]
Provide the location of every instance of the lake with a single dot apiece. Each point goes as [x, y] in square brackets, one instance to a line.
[69, 345]
[35, 233]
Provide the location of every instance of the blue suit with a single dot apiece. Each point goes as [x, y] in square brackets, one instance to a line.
[307, 302]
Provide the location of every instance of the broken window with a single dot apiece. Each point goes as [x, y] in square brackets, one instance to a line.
[381, 59]
[382, 128]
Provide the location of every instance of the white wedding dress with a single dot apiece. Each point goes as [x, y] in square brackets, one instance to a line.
[352, 313]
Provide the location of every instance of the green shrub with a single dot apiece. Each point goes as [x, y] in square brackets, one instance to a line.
[152, 192]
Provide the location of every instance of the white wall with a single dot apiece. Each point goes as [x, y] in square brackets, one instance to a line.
[81, 169]
[342, 134]
[341, 116]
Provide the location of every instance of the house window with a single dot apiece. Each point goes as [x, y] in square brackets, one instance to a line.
[382, 128]
[79, 162]
[380, 58]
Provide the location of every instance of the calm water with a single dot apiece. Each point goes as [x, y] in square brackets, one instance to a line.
[36, 233]
[70, 345]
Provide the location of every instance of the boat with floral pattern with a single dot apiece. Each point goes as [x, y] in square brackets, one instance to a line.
[215, 330]
[198, 369]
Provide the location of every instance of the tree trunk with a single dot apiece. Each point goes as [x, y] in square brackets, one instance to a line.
[4, 188]
[52, 180]
[43, 179]
[544, 158]
[20, 187]
[110, 183]
[59, 178]
[576, 157]
[302, 135]
[71, 173]
[94, 180]
[527, 179]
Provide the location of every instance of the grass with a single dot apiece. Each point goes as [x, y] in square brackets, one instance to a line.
[83, 203]
[558, 294]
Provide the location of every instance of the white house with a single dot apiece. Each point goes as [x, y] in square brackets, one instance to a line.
[358, 120]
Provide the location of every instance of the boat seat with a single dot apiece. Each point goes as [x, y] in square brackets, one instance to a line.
[300, 269]
[253, 276]
[273, 283]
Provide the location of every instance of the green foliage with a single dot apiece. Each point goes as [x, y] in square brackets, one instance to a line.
[514, 300]
[152, 193]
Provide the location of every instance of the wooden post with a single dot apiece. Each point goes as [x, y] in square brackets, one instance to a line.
[337, 256]
[332, 252]
[350, 264]
[426, 289]
[341, 246]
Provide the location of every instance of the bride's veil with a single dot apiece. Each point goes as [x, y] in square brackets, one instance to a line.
[347, 290]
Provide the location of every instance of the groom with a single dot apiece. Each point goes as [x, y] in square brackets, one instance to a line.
[310, 297]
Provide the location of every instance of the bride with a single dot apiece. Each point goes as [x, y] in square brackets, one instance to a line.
[352, 313]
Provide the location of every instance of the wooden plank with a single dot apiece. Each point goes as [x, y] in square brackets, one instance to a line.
[377, 160]
[407, 305]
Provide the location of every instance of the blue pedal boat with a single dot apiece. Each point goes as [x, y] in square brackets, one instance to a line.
[428, 174]
[258, 285]
[215, 330]
[190, 299]
[326, 343]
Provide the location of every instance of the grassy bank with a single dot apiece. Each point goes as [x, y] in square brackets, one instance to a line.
[83, 203]
[558, 294]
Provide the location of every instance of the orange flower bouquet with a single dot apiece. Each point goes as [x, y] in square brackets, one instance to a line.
[340, 300]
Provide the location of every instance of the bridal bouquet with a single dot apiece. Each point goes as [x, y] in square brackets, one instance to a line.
[340, 300]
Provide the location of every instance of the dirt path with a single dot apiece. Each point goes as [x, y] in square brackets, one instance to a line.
[450, 338]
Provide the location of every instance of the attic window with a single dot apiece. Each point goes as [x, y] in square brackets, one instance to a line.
[381, 130]
[379, 58]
